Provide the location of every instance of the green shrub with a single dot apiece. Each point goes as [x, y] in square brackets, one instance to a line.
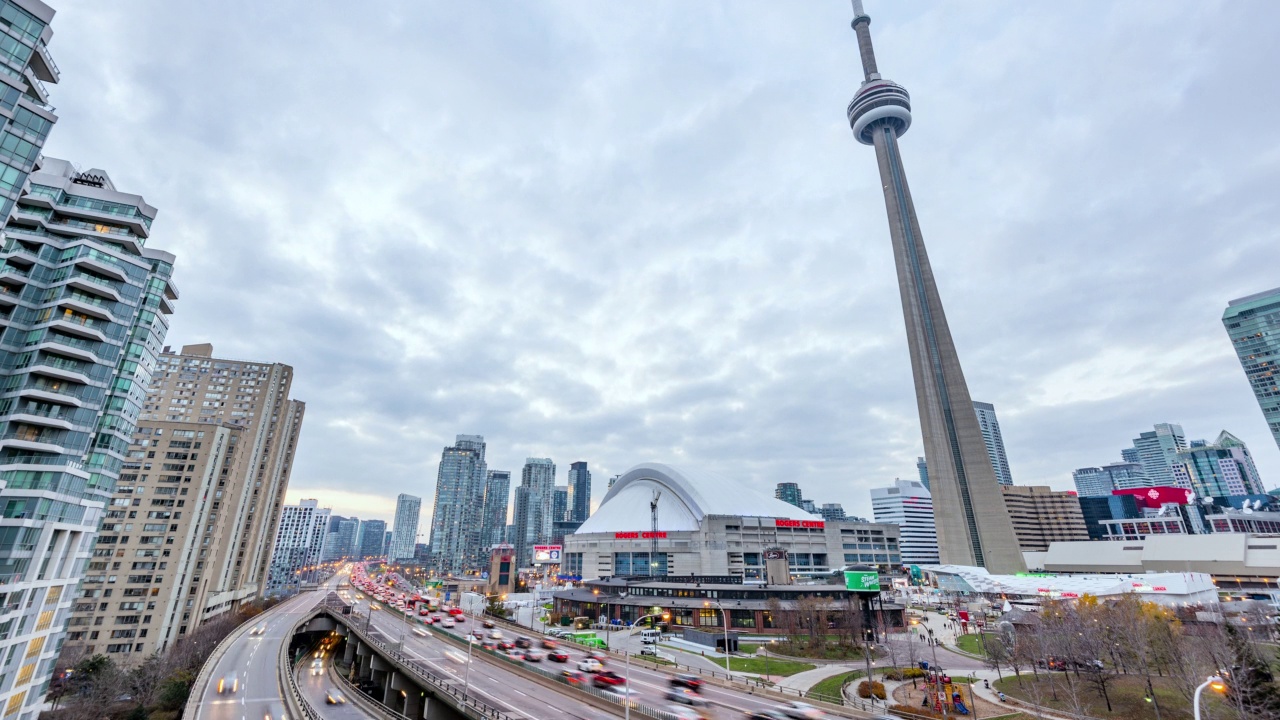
[904, 673]
[868, 689]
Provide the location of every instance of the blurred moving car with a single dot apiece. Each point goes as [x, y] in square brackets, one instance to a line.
[274, 711]
[317, 667]
[333, 696]
[534, 655]
[802, 711]
[684, 712]
[258, 629]
[558, 656]
[766, 715]
[692, 682]
[549, 644]
[573, 678]
[607, 678]
[229, 683]
[590, 665]
[685, 696]
[524, 642]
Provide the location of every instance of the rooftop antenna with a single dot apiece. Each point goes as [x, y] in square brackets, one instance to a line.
[653, 533]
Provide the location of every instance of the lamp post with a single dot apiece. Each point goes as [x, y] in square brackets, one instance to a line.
[627, 654]
[1214, 681]
[466, 680]
[724, 618]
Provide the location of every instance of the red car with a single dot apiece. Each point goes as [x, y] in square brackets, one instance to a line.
[571, 677]
[558, 656]
[607, 678]
[548, 643]
[506, 645]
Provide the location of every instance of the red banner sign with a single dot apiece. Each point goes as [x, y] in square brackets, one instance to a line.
[799, 523]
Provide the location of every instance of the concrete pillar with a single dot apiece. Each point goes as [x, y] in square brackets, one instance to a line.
[413, 704]
[349, 652]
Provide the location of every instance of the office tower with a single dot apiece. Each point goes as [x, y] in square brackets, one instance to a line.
[994, 441]
[341, 540]
[1096, 510]
[922, 468]
[299, 545]
[789, 492]
[1042, 515]
[974, 527]
[832, 512]
[1130, 455]
[191, 386]
[1100, 481]
[808, 506]
[386, 543]
[579, 492]
[457, 520]
[1158, 450]
[1253, 324]
[497, 491]
[405, 531]
[534, 506]
[371, 539]
[559, 504]
[85, 309]
[907, 504]
[1222, 469]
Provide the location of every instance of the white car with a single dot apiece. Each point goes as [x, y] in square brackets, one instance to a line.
[447, 622]
[802, 711]
[683, 712]
[590, 665]
[317, 667]
[258, 629]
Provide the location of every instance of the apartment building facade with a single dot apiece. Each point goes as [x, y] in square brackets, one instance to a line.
[1042, 515]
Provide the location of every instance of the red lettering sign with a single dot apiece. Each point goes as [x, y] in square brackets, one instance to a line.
[799, 523]
[651, 535]
[1160, 588]
[626, 536]
[647, 535]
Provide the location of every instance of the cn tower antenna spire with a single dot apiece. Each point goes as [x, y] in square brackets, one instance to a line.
[974, 527]
[861, 26]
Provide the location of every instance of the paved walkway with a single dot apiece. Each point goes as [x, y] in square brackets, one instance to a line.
[803, 681]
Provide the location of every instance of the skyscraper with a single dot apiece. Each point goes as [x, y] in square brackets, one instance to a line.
[789, 492]
[341, 539]
[405, 533]
[1253, 323]
[990, 426]
[1100, 481]
[1042, 516]
[371, 538]
[974, 527]
[1222, 469]
[559, 503]
[907, 504]
[85, 307]
[922, 468]
[457, 521]
[497, 492]
[1158, 450]
[299, 543]
[534, 505]
[193, 388]
[831, 512]
[579, 492]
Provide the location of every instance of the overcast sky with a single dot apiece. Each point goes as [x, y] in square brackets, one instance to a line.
[628, 232]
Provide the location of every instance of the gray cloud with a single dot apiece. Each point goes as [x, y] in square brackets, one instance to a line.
[629, 233]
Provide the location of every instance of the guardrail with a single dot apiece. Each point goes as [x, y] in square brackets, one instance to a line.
[289, 681]
[358, 697]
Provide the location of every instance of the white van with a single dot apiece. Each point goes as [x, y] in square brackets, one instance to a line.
[650, 637]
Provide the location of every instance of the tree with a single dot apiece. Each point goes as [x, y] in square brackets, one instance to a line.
[1095, 621]
[1251, 686]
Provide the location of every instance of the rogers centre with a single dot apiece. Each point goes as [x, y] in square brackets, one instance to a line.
[711, 526]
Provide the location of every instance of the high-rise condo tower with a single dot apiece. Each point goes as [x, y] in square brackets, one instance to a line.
[973, 524]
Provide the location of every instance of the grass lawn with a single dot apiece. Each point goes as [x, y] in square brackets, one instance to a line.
[757, 665]
[830, 689]
[1127, 697]
[971, 644]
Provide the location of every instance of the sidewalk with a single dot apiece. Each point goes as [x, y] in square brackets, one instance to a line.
[804, 681]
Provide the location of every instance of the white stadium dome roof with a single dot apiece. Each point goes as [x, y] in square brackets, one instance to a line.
[687, 497]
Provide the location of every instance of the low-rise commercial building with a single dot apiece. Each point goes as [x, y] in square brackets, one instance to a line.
[711, 526]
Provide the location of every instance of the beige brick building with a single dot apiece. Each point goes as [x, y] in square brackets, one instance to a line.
[188, 533]
[1042, 515]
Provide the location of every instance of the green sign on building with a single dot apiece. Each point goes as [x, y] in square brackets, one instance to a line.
[862, 581]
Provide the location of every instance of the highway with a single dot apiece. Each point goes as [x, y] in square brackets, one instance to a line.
[520, 696]
[252, 661]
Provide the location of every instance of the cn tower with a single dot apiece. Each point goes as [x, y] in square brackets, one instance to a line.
[973, 524]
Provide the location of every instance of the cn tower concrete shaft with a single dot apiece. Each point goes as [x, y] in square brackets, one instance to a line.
[974, 527]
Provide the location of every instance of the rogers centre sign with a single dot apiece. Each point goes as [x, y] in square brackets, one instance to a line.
[647, 535]
[800, 523]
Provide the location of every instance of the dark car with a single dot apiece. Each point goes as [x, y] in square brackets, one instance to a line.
[573, 677]
[607, 678]
[489, 645]
[488, 623]
[766, 715]
[506, 645]
[558, 656]
[693, 682]
[524, 642]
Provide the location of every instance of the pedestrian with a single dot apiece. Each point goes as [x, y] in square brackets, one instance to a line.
[1001, 695]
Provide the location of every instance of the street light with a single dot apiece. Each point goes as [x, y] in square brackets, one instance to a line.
[626, 653]
[1214, 681]
[724, 618]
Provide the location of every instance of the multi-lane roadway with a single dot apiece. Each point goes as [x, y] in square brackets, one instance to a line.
[500, 686]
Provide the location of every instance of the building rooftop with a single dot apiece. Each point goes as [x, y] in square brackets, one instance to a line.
[684, 498]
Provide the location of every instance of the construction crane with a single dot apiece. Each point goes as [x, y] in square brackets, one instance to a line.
[653, 533]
